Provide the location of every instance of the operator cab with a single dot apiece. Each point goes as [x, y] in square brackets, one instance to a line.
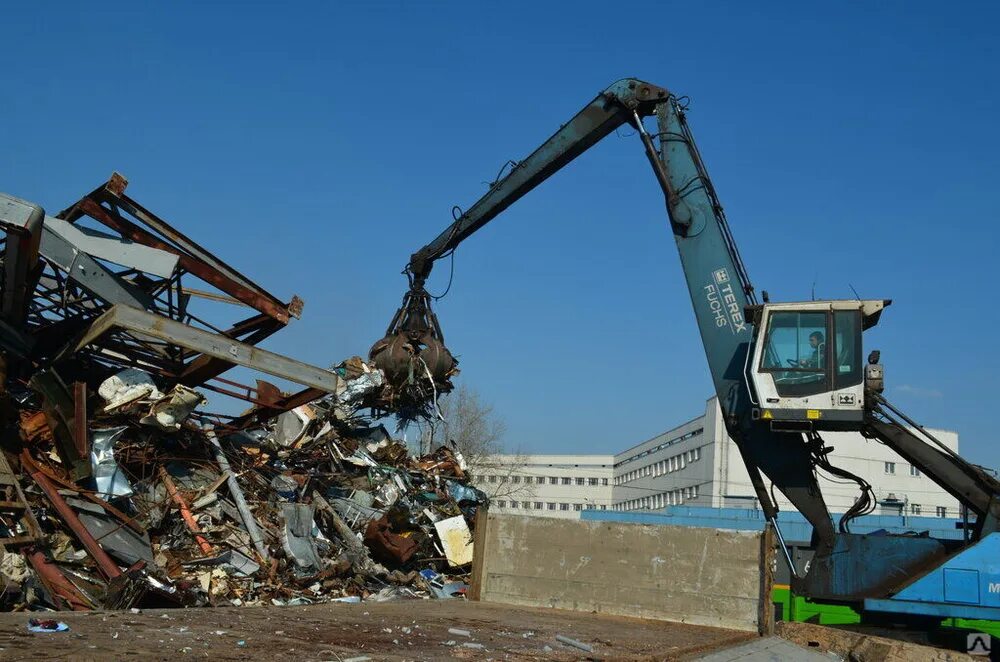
[806, 363]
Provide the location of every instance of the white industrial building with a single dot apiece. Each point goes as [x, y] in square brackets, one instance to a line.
[698, 464]
[548, 485]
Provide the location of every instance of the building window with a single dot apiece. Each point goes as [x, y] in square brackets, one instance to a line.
[567, 481]
[580, 481]
[914, 508]
[604, 481]
[502, 504]
[577, 506]
[513, 504]
[696, 453]
[694, 492]
[603, 507]
[553, 480]
[563, 506]
[515, 479]
[529, 480]
[591, 481]
[493, 479]
[914, 471]
[550, 505]
[890, 467]
[942, 511]
[503, 479]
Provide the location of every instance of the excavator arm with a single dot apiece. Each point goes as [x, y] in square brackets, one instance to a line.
[717, 280]
[773, 405]
[611, 109]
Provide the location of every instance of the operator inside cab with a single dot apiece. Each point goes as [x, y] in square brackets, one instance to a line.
[817, 359]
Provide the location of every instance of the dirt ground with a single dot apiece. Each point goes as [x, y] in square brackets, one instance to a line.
[402, 630]
[867, 644]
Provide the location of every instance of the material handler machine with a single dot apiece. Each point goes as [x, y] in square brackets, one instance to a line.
[784, 373]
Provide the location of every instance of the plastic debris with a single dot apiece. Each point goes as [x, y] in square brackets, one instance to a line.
[127, 387]
[456, 540]
[46, 625]
[169, 412]
[574, 643]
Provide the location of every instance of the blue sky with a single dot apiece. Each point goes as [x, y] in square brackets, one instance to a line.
[315, 146]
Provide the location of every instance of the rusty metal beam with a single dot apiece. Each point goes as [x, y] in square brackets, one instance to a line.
[203, 368]
[105, 564]
[284, 404]
[148, 325]
[23, 223]
[90, 496]
[185, 511]
[255, 298]
[55, 582]
[59, 409]
[80, 429]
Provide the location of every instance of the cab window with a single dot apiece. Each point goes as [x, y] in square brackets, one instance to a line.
[795, 351]
[847, 359]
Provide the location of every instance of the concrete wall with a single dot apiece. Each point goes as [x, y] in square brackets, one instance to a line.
[700, 576]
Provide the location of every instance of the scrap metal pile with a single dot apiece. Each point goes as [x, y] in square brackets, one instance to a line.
[120, 489]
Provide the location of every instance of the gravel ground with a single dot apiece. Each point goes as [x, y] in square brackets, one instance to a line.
[403, 630]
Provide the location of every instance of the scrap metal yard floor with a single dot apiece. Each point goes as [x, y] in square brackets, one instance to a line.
[399, 630]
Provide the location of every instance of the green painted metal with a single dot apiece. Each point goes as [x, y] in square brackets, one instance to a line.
[799, 609]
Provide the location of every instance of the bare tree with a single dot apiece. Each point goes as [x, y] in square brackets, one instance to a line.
[478, 432]
[471, 423]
